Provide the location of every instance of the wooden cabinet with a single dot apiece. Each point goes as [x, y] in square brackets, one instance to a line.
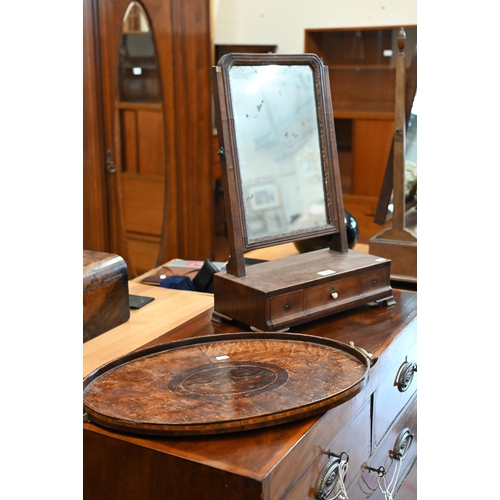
[148, 179]
[361, 63]
[283, 462]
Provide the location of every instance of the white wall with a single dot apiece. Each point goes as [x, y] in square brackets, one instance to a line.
[282, 22]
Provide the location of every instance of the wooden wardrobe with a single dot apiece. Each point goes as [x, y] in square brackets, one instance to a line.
[147, 131]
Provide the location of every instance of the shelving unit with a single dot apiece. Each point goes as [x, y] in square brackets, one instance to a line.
[361, 64]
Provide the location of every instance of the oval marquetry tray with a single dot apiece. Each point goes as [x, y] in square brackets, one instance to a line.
[223, 383]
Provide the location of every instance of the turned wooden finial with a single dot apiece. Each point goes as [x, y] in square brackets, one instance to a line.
[401, 39]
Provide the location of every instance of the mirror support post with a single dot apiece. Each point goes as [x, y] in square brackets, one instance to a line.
[339, 240]
[236, 263]
[399, 137]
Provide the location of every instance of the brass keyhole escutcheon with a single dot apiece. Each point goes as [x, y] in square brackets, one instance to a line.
[110, 164]
[287, 306]
[333, 293]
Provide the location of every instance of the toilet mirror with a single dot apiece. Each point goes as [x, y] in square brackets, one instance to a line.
[278, 150]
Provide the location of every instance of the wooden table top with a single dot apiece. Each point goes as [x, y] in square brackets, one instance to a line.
[170, 309]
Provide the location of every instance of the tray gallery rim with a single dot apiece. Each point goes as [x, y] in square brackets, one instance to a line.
[288, 413]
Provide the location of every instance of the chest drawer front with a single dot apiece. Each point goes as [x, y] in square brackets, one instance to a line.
[398, 384]
[353, 439]
[366, 487]
[333, 292]
[288, 306]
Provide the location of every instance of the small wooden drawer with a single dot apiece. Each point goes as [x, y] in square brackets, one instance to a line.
[373, 281]
[288, 306]
[398, 384]
[336, 291]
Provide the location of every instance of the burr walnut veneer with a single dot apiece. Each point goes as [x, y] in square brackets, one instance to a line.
[231, 382]
[105, 293]
[285, 461]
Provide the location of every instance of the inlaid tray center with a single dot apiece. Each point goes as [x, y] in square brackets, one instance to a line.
[236, 379]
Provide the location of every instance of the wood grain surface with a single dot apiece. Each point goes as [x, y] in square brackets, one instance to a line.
[170, 309]
[105, 293]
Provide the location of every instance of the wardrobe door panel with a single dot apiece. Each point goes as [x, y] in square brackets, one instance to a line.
[151, 143]
[193, 98]
[152, 80]
[143, 212]
[128, 124]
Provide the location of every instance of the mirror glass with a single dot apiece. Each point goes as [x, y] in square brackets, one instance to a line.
[411, 156]
[410, 162]
[279, 151]
[138, 76]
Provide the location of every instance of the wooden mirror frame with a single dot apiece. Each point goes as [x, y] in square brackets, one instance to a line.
[228, 152]
[382, 214]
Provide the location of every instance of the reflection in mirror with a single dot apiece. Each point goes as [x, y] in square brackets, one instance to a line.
[411, 134]
[410, 161]
[138, 77]
[279, 153]
[411, 155]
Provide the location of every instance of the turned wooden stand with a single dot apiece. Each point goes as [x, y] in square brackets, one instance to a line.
[398, 242]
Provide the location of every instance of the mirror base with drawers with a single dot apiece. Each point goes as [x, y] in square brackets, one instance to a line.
[286, 292]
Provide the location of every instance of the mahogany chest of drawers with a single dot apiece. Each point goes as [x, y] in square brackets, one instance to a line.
[285, 462]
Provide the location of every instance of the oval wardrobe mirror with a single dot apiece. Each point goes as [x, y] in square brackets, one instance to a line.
[140, 141]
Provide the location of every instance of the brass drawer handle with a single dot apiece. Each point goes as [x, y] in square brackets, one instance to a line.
[333, 293]
[331, 480]
[402, 445]
[405, 375]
